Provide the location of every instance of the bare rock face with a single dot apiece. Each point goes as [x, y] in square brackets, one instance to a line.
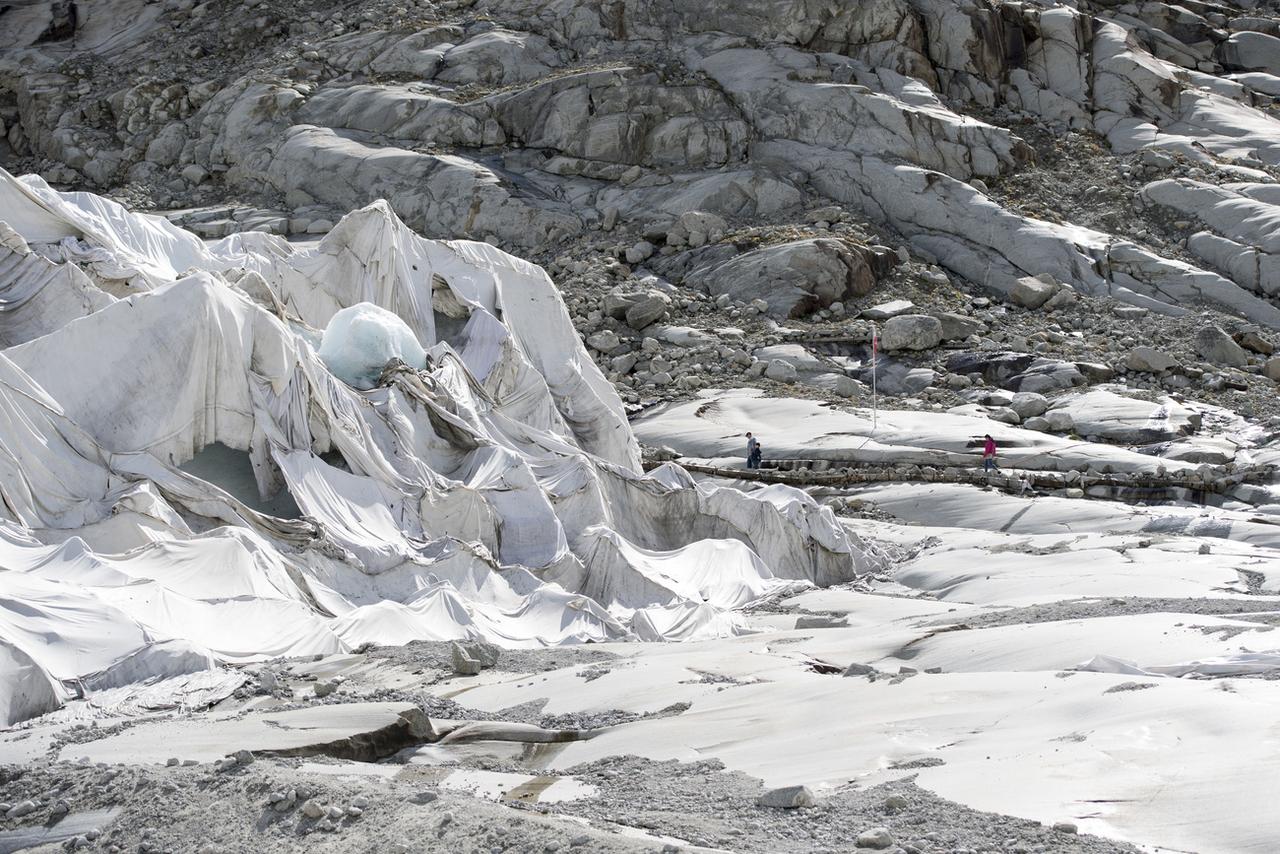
[1241, 239]
[794, 279]
[1250, 51]
[527, 123]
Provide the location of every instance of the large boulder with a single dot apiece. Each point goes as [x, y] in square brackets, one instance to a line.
[805, 362]
[838, 384]
[995, 367]
[497, 57]
[895, 378]
[1033, 291]
[1028, 404]
[1060, 420]
[1248, 51]
[637, 309]
[605, 341]
[788, 797]
[876, 837]
[780, 371]
[957, 326]
[1025, 372]
[1096, 372]
[166, 147]
[649, 310]
[911, 332]
[1216, 346]
[1105, 415]
[794, 279]
[696, 228]
[886, 310]
[1044, 375]
[1251, 339]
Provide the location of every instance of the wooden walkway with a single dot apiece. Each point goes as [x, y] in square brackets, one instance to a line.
[1203, 480]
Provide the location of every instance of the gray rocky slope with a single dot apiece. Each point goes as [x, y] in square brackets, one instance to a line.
[695, 176]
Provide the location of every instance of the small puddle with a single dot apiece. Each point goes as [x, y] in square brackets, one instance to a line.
[503, 786]
[530, 791]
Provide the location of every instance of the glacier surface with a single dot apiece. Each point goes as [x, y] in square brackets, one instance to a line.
[459, 466]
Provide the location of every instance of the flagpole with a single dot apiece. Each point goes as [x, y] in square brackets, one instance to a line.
[875, 347]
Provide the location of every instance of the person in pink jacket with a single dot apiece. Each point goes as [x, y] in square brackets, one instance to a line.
[988, 453]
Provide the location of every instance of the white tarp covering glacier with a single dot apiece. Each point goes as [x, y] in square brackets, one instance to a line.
[461, 467]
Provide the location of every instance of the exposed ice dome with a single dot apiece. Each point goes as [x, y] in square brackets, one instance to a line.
[361, 339]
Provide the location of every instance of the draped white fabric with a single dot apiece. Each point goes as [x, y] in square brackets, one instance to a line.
[495, 494]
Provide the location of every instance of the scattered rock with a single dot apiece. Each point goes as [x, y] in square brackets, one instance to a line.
[1216, 346]
[957, 326]
[606, 341]
[1040, 425]
[895, 803]
[876, 837]
[640, 252]
[463, 663]
[648, 311]
[1033, 291]
[886, 310]
[788, 797]
[794, 279]
[1060, 421]
[780, 371]
[1250, 339]
[1149, 360]
[1029, 404]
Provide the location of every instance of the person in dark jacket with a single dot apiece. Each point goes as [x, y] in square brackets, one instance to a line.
[757, 455]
